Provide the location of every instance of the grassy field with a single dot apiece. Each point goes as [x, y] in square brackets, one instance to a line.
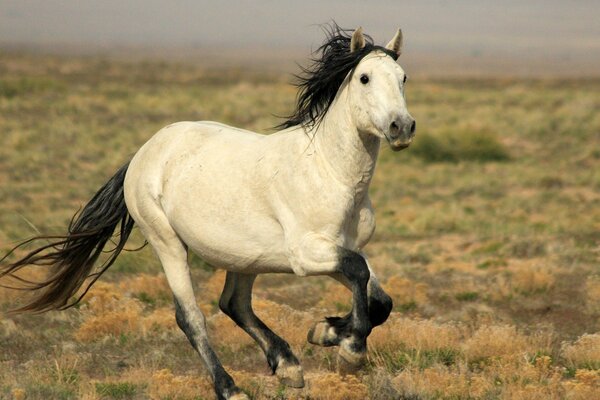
[488, 240]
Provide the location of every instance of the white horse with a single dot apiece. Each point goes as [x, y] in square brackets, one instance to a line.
[295, 201]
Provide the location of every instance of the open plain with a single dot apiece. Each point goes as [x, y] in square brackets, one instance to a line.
[488, 240]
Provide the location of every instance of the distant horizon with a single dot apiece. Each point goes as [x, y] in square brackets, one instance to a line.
[416, 63]
[465, 36]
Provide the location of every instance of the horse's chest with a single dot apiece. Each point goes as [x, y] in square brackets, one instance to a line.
[347, 213]
[352, 221]
[360, 226]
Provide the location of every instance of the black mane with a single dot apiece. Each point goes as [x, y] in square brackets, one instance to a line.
[319, 82]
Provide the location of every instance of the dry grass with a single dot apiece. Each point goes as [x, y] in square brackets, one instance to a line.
[110, 311]
[584, 353]
[495, 341]
[487, 241]
[416, 334]
[406, 293]
[331, 386]
[439, 381]
[165, 385]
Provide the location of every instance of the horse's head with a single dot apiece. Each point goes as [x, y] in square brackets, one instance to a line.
[376, 93]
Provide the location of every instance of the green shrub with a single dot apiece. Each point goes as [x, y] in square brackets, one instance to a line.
[10, 88]
[451, 146]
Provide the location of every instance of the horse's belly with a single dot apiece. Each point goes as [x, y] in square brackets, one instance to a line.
[237, 247]
[212, 205]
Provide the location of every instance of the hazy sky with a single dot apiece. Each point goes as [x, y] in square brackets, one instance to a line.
[540, 26]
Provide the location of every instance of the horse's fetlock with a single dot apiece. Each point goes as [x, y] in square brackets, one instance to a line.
[362, 330]
[380, 307]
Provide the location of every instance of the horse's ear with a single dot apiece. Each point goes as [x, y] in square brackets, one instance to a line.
[395, 44]
[358, 40]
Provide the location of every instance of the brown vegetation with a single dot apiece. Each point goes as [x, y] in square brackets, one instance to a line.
[487, 241]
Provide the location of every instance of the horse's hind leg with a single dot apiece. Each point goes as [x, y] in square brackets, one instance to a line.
[236, 302]
[173, 256]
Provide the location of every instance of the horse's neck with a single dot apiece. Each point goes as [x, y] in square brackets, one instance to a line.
[348, 155]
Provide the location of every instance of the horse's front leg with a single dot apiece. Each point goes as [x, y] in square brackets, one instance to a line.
[318, 255]
[353, 344]
[331, 330]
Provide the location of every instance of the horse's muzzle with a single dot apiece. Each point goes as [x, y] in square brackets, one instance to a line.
[400, 136]
[398, 145]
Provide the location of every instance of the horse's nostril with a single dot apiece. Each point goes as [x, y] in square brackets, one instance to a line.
[413, 126]
[394, 125]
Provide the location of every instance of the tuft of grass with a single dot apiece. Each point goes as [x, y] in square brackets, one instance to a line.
[491, 263]
[584, 353]
[466, 296]
[491, 247]
[116, 390]
[404, 358]
[450, 146]
[66, 376]
[406, 307]
[146, 298]
[38, 390]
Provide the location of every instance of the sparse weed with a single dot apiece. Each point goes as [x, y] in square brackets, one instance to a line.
[401, 358]
[466, 296]
[38, 390]
[116, 390]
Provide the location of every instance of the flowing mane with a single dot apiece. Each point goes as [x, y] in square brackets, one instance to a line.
[320, 80]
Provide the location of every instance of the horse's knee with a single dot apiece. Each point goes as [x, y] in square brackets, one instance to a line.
[380, 306]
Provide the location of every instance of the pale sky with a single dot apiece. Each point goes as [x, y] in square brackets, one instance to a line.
[542, 28]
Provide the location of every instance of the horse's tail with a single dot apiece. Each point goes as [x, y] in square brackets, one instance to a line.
[71, 257]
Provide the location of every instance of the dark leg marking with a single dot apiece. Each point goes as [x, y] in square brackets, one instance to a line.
[236, 302]
[224, 386]
[333, 330]
[355, 269]
[380, 304]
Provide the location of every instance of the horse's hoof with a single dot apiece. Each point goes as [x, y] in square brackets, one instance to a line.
[290, 375]
[348, 361]
[239, 396]
[322, 334]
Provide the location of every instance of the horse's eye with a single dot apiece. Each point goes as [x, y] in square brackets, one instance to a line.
[364, 79]
[405, 78]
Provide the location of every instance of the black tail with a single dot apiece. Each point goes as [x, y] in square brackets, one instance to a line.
[72, 257]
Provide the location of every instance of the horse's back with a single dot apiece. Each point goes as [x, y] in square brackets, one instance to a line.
[186, 144]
